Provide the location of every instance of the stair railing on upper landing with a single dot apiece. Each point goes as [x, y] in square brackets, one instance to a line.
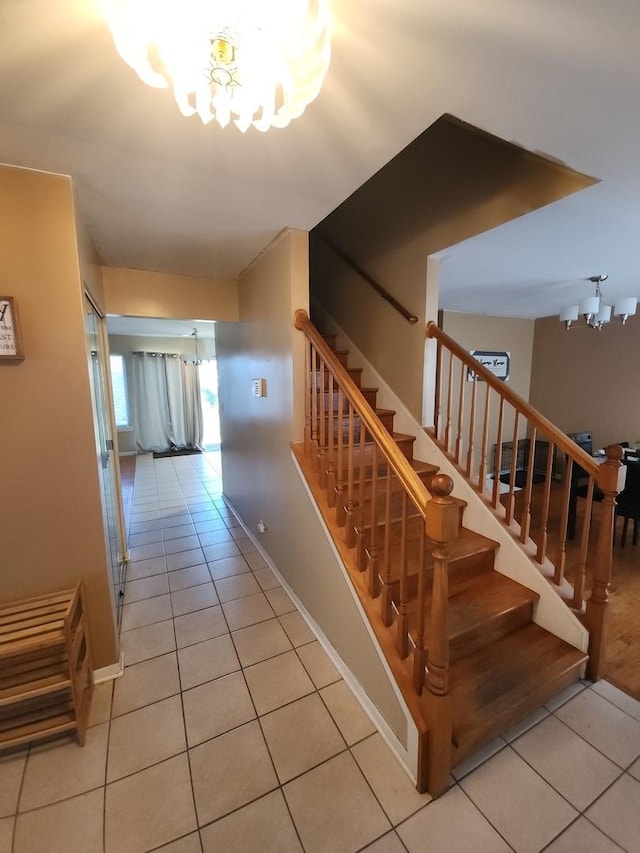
[467, 416]
[385, 510]
[346, 259]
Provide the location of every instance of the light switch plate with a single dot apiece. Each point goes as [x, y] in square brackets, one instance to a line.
[259, 387]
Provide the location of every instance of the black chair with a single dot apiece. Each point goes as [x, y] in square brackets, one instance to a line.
[628, 502]
[580, 481]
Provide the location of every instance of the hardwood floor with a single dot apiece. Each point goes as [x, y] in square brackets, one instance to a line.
[127, 476]
[623, 647]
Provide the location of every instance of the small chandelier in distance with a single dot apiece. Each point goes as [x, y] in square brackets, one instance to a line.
[595, 313]
[256, 62]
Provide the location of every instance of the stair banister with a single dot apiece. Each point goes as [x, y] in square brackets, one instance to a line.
[442, 528]
[398, 548]
[560, 439]
[604, 475]
[397, 460]
[597, 616]
[408, 316]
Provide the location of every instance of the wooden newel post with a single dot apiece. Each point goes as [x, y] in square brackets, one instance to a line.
[597, 615]
[441, 526]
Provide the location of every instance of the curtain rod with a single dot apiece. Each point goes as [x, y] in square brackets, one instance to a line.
[157, 354]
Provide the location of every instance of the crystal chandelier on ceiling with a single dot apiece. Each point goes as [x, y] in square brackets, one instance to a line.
[595, 313]
[253, 62]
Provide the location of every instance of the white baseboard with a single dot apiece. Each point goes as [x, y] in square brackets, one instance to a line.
[109, 673]
[407, 755]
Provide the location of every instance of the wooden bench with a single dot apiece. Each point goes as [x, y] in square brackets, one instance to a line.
[46, 678]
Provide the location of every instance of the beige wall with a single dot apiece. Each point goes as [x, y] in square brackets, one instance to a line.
[51, 526]
[260, 478]
[501, 334]
[390, 343]
[137, 293]
[585, 380]
[90, 270]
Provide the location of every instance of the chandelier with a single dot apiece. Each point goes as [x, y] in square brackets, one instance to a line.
[594, 312]
[256, 62]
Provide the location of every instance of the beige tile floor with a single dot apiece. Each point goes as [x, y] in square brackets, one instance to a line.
[231, 730]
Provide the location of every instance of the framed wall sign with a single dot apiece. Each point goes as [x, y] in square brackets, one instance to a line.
[10, 338]
[499, 363]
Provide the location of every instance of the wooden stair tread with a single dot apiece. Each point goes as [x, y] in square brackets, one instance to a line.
[494, 687]
[467, 544]
[479, 601]
[422, 469]
[396, 508]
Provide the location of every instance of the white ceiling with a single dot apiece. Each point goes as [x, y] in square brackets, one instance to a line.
[160, 328]
[165, 193]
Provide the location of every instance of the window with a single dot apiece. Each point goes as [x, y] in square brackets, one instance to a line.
[119, 386]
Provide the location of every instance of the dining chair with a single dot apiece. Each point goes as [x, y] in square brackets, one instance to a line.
[628, 501]
[579, 481]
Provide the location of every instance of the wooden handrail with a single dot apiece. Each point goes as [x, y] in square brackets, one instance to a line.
[411, 318]
[559, 438]
[413, 485]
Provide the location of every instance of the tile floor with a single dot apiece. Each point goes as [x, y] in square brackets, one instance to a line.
[232, 731]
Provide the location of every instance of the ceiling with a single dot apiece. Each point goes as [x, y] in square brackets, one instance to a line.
[160, 327]
[165, 193]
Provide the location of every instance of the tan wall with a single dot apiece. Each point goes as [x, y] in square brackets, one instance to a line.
[137, 293]
[390, 343]
[90, 269]
[51, 527]
[260, 478]
[585, 380]
[501, 334]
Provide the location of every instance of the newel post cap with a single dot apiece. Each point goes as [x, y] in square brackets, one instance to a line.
[442, 513]
[609, 473]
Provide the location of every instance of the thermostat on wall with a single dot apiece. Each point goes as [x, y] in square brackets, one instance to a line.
[259, 387]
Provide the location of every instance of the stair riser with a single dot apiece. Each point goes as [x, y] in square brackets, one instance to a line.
[338, 422]
[536, 699]
[415, 523]
[396, 488]
[405, 445]
[426, 476]
[460, 570]
[322, 377]
[341, 355]
[490, 632]
[370, 395]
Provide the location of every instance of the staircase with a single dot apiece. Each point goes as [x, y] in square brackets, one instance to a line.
[458, 635]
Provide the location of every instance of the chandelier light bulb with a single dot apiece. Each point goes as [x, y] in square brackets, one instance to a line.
[569, 315]
[247, 61]
[626, 308]
[589, 307]
[603, 316]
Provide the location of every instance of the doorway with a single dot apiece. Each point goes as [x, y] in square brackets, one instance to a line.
[108, 471]
[208, 371]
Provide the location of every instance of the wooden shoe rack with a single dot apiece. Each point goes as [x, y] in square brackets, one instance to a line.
[46, 679]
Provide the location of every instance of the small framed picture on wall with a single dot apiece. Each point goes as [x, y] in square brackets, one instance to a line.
[10, 337]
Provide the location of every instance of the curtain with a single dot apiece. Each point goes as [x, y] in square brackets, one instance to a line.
[193, 421]
[166, 402]
[176, 402]
[150, 402]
